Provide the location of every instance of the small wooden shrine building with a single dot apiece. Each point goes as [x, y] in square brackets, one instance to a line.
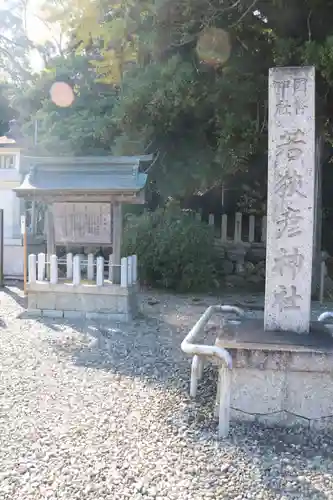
[84, 197]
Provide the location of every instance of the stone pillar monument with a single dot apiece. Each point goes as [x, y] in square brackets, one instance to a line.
[290, 203]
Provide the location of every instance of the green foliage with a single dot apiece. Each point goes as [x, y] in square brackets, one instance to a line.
[174, 250]
[85, 128]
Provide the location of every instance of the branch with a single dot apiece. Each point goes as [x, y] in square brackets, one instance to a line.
[251, 7]
[58, 43]
[153, 163]
[308, 21]
[16, 44]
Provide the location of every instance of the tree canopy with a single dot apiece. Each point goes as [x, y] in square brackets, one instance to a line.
[185, 79]
[14, 42]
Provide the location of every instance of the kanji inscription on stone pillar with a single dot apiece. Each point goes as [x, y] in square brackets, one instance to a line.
[290, 199]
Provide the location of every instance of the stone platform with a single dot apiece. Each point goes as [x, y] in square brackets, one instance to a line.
[110, 302]
[280, 377]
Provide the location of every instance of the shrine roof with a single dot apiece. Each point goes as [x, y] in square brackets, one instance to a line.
[8, 143]
[84, 176]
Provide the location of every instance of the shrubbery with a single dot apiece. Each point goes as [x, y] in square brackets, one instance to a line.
[174, 250]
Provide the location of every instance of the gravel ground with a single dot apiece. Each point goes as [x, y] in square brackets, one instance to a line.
[78, 421]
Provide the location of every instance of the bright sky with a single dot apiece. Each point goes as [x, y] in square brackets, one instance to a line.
[37, 31]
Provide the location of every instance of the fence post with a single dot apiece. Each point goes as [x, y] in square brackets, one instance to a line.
[100, 271]
[90, 267]
[111, 267]
[123, 272]
[134, 268]
[252, 222]
[32, 261]
[263, 229]
[129, 270]
[224, 228]
[76, 270]
[69, 266]
[41, 266]
[238, 227]
[53, 269]
[211, 220]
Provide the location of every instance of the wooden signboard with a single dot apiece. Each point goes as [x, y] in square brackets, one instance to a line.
[83, 223]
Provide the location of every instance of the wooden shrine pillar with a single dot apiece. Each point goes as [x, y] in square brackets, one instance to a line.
[117, 240]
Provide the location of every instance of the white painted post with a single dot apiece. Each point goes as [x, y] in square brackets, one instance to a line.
[238, 228]
[41, 266]
[53, 269]
[69, 266]
[263, 229]
[224, 403]
[224, 228]
[90, 269]
[100, 271]
[129, 271]
[123, 273]
[76, 270]
[111, 268]
[134, 268]
[252, 223]
[196, 374]
[211, 219]
[32, 268]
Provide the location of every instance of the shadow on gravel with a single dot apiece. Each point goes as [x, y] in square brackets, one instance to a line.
[281, 460]
[12, 291]
[146, 348]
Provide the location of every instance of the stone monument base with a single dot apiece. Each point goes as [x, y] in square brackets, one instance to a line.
[280, 378]
[84, 301]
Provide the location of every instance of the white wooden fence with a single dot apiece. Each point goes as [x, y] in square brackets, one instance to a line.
[241, 233]
[74, 265]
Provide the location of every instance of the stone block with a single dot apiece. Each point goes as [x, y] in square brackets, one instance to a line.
[256, 254]
[73, 315]
[46, 300]
[311, 362]
[122, 305]
[52, 313]
[241, 416]
[261, 359]
[63, 301]
[32, 301]
[102, 304]
[309, 395]
[257, 391]
[33, 313]
[133, 306]
[78, 302]
[236, 253]
[98, 316]
[322, 424]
